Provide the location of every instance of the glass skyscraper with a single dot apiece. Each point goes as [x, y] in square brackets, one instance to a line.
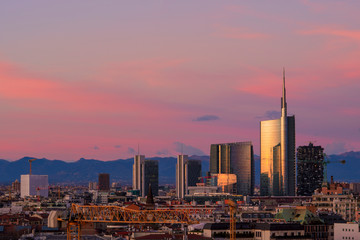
[235, 158]
[277, 153]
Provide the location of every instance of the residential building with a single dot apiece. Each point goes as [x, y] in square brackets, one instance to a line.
[310, 169]
[349, 231]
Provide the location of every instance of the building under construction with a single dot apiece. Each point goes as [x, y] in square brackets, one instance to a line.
[310, 167]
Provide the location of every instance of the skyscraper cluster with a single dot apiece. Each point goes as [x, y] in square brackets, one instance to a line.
[233, 163]
[145, 175]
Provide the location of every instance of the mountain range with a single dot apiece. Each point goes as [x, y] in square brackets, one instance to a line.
[86, 170]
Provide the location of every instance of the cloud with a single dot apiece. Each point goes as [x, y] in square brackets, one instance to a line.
[272, 114]
[336, 148]
[349, 34]
[206, 118]
[187, 149]
[95, 148]
[130, 150]
[162, 152]
[117, 146]
[239, 33]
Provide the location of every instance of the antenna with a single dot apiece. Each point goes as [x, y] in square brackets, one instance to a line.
[182, 148]
[138, 149]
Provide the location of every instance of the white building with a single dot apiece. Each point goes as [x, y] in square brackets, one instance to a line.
[137, 171]
[181, 176]
[348, 231]
[34, 185]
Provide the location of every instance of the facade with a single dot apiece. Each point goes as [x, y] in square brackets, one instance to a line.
[34, 185]
[235, 158]
[310, 169]
[348, 231]
[344, 205]
[104, 182]
[150, 177]
[181, 176]
[277, 153]
[194, 172]
[137, 172]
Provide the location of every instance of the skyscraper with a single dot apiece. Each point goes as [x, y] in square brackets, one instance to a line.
[310, 169]
[150, 177]
[104, 182]
[194, 171]
[137, 172]
[235, 158]
[145, 172]
[181, 176]
[277, 143]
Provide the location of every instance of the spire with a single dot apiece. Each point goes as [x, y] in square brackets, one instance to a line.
[283, 98]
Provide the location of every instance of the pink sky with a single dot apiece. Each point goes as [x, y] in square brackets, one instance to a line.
[94, 79]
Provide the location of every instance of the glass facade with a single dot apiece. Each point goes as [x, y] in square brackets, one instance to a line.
[194, 172]
[272, 178]
[150, 170]
[236, 158]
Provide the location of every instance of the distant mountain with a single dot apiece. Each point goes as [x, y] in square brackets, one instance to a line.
[85, 170]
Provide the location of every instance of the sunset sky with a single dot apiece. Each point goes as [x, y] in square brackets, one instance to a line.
[94, 79]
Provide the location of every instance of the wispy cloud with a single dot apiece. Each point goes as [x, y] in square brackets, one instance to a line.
[333, 31]
[206, 118]
[238, 33]
[272, 114]
[187, 149]
[117, 146]
[131, 151]
[95, 148]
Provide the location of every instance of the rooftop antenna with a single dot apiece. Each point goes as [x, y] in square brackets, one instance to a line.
[182, 148]
[138, 149]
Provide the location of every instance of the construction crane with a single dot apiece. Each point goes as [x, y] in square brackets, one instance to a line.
[80, 214]
[325, 163]
[30, 161]
[232, 206]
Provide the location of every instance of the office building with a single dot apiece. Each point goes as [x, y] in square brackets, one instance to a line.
[104, 182]
[277, 153]
[181, 176]
[34, 185]
[194, 172]
[235, 158]
[137, 172]
[150, 177]
[310, 169]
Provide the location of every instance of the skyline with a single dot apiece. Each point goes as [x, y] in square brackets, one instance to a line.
[95, 80]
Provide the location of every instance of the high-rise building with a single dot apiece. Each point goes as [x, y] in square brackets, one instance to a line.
[150, 177]
[235, 158]
[310, 169]
[104, 182]
[137, 172]
[194, 172]
[34, 185]
[181, 176]
[277, 153]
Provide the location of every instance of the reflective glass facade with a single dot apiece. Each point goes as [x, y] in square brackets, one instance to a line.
[150, 170]
[236, 158]
[271, 177]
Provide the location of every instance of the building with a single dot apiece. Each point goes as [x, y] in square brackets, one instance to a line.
[181, 176]
[235, 158]
[344, 205]
[350, 231]
[104, 182]
[150, 177]
[194, 172]
[137, 172]
[15, 186]
[310, 169]
[277, 153]
[34, 185]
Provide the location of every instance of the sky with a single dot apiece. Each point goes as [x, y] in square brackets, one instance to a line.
[108, 79]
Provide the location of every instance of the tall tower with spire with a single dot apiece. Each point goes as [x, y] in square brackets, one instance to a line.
[277, 143]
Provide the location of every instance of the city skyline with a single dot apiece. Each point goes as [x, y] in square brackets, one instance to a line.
[96, 80]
